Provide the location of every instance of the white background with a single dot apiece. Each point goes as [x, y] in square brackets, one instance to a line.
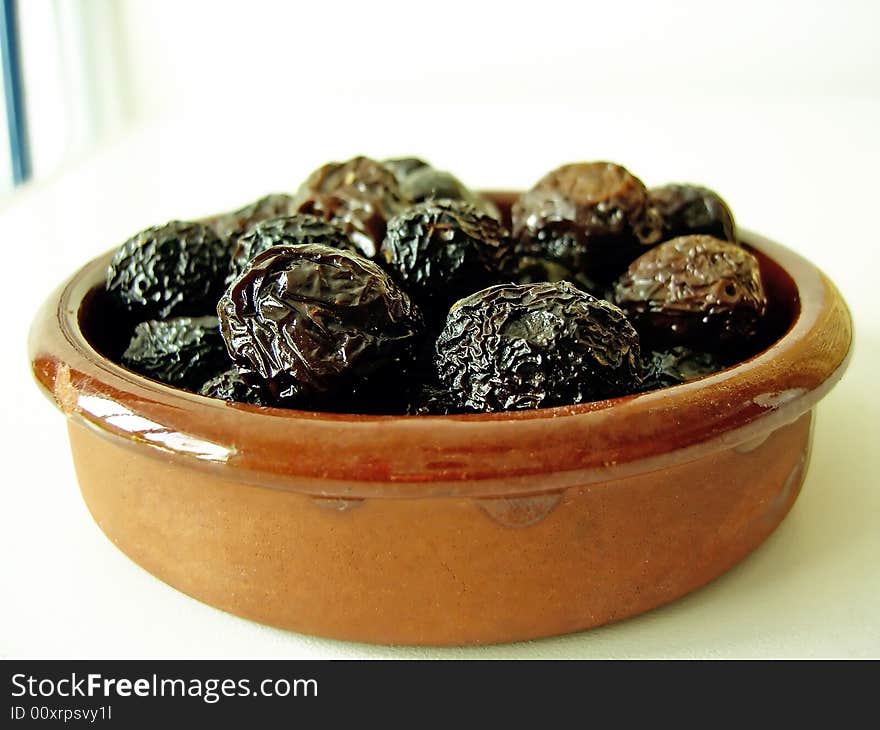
[776, 105]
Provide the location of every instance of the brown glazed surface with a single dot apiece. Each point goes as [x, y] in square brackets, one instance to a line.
[446, 529]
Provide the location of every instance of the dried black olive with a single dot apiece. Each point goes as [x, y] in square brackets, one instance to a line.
[404, 166]
[695, 290]
[231, 386]
[430, 184]
[442, 250]
[359, 176]
[177, 268]
[181, 351]
[586, 220]
[239, 222]
[431, 399]
[360, 195]
[665, 368]
[520, 346]
[690, 209]
[291, 230]
[314, 321]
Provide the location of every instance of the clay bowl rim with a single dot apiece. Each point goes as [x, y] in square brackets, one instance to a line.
[478, 455]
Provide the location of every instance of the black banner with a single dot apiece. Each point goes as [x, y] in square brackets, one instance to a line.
[162, 693]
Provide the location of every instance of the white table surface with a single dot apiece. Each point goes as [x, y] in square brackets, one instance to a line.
[802, 172]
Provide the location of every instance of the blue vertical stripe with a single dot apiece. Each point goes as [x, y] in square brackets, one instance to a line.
[16, 118]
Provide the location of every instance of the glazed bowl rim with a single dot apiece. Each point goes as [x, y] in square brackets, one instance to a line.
[354, 456]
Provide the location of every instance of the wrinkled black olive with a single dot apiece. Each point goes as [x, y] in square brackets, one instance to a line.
[177, 268]
[585, 222]
[442, 250]
[402, 167]
[291, 230]
[181, 351]
[360, 195]
[520, 346]
[665, 368]
[231, 386]
[693, 290]
[430, 184]
[690, 209]
[230, 226]
[314, 321]
[431, 399]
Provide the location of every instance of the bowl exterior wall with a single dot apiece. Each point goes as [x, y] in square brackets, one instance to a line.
[442, 570]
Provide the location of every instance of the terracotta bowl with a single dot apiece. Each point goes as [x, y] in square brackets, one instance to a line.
[453, 529]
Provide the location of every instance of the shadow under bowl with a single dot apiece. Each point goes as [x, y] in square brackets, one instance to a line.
[445, 530]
